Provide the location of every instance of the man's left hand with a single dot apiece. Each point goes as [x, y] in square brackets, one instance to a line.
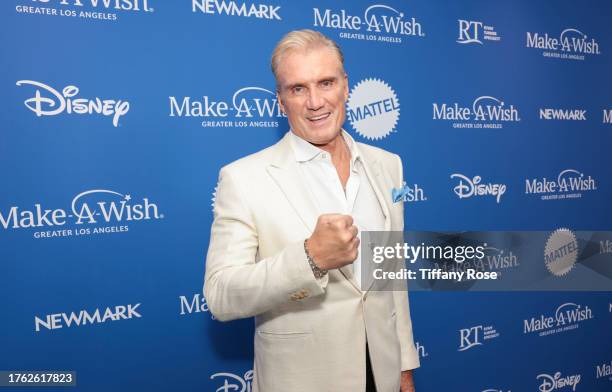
[407, 382]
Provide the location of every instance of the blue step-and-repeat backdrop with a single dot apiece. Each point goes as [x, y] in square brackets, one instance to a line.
[116, 116]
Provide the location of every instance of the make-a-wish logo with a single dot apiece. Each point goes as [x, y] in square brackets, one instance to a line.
[500, 259]
[556, 382]
[373, 109]
[236, 8]
[568, 316]
[471, 32]
[86, 9]
[53, 102]
[572, 44]
[475, 336]
[474, 186]
[408, 193]
[486, 112]
[570, 184]
[234, 383]
[604, 370]
[96, 211]
[197, 304]
[253, 107]
[379, 22]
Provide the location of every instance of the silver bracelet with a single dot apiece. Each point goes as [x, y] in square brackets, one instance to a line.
[318, 272]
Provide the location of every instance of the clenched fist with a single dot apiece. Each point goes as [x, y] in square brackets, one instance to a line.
[334, 242]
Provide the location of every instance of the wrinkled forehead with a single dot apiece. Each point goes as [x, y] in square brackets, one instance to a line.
[308, 64]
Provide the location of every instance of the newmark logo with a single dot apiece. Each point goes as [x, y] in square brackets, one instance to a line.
[49, 102]
[567, 316]
[86, 9]
[195, 304]
[550, 383]
[563, 114]
[253, 107]
[471, 32]
[486, 112]
[379, 22]
[236, 8]
[475, 336]
[96, 207]
[570, 184]
[84, 317]
[232, 382]
[572, 44]
[469, 187]
[373, 109]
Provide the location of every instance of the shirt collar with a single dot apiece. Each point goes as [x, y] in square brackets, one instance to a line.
[305, 151]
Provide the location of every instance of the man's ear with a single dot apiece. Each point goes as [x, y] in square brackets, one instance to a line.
[280, 102]
[346, 87]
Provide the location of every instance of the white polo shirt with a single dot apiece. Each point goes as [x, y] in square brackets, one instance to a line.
[358, 200]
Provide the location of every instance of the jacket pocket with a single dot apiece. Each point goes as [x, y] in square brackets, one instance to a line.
[283, 335]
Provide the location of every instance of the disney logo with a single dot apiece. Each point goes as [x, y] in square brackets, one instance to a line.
[551, 383]
[239, 384]
[56, 103]
[472, 187]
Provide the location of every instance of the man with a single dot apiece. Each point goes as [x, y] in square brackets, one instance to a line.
[285, 238]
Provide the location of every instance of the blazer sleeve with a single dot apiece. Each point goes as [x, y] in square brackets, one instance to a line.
[236, 285]
[409, 354]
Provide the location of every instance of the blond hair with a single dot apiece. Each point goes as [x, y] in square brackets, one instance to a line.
[302, 39]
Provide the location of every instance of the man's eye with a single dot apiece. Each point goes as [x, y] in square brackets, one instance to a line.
[298, 90]
[327, 83]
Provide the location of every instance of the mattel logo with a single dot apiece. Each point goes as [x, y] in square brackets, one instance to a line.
[84, 317]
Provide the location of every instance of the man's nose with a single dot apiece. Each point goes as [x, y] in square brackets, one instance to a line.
[315, 100]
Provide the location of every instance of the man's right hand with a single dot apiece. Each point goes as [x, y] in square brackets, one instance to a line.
[334, 242]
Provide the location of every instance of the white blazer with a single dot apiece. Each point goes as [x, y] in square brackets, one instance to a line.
[310, 335]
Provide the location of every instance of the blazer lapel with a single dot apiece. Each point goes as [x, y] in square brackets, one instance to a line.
[286, 173]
